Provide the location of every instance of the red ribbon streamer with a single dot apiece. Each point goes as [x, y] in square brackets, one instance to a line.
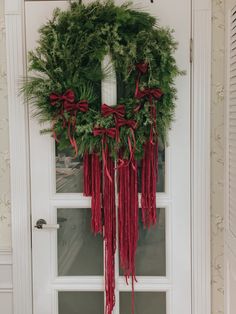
[132, 126]
[142, 69]
[67, 101]
[82, 106]
[96, 205]
[87, 163]
[128, 219]
[104, 133]
[149, 180]
[109, 235]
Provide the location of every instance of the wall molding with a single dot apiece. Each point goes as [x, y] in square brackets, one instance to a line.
[6, 286]
[201, 102]
[5, 256]
[19, 155]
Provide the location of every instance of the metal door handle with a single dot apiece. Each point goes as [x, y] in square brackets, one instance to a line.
[42, 224]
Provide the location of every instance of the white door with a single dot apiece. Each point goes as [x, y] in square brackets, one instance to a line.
[68, 262]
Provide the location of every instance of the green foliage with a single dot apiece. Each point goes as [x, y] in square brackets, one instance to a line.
[69, 54]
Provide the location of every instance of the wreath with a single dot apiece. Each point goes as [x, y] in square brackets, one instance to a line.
[66, 91]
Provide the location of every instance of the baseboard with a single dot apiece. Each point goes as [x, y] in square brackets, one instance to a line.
[6, 286]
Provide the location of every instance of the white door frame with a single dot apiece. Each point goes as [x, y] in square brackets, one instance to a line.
[200, 157]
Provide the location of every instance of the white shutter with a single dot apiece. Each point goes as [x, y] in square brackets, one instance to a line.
[232, 127]
[230, 167]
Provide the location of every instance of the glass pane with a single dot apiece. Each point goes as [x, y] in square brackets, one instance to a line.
[145, 303]
[80, 302]
[151, 250]
[69, 172]
[80, 253]
[161, 171]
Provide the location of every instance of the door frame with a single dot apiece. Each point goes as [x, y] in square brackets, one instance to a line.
[200, 53]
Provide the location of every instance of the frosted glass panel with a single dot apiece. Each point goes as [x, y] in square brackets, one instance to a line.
[151, 250]
[145, 303]
[69, 172]
[81, 302]
[80, 253]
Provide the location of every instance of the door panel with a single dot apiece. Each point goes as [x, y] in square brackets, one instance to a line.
[68, 262]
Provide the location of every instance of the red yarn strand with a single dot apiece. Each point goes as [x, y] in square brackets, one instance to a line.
[109, 208]
[96, 195]
[128, 219]
[149, 182]
[87, 174]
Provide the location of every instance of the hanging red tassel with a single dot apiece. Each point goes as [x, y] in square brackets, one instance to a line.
[109, 231]
[96, 205]
[128, 219]
[149, 182]
[87, 174]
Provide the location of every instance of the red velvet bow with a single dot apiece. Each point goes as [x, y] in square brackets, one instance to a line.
[68, 96]
[122, 122]
[82, 106]
[105, 132]
[142, 67]
[69, 105]
[149, 92]
[118, 111]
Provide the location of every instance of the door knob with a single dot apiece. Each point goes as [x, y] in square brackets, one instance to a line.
[42, 224]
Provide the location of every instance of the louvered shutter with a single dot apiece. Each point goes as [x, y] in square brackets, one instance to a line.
[230, 168]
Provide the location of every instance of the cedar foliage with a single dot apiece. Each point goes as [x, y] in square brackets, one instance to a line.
[69, 53]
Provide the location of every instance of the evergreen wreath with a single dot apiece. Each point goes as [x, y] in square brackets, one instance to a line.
[66, 91]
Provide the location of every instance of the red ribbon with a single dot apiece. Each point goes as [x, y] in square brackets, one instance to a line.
[71, 127]
[132, 126]
[68, 96]
[150, 93]
[82, 106]
[118, 111]
[68, 105]
[104, 133]
[142, 67]
[122, 122]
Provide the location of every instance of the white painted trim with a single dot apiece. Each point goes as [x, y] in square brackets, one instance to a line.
[19, 156]
[5, 256]
[18, 123]
[201, 101]
[6, 289]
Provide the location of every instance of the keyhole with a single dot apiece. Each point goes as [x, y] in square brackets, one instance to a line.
[151, 1]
